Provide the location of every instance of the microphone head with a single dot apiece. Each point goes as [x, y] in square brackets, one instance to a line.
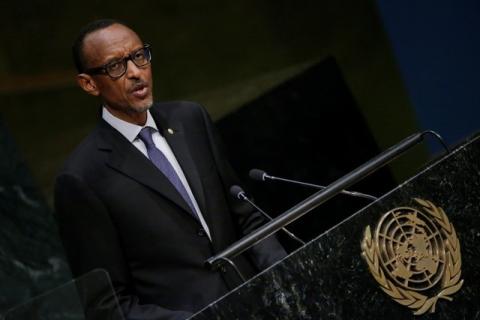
[235, 191]
[257, 174]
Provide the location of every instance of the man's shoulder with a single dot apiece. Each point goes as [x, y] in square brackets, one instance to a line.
[189, 114]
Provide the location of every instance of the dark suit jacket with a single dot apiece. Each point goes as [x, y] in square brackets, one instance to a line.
[117, 211]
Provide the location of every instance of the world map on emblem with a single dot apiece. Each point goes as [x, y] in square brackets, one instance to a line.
[411, 248]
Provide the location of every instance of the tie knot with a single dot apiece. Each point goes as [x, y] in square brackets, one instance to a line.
[146, 136]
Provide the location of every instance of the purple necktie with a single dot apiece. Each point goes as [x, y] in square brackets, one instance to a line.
[161, 162]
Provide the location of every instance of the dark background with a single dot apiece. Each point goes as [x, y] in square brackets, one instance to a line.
[222, 54]
[303, 89]
[300, 130]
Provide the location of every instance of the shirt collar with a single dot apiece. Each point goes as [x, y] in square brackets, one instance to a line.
[127, 129]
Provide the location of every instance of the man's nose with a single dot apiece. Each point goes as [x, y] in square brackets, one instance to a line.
[132, 70]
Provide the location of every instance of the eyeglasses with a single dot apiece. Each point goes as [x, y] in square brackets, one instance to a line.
[117, 68]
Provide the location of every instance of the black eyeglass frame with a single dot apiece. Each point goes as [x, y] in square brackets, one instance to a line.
[103, 69]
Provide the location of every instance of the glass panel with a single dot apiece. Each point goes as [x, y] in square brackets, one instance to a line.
[89, 297]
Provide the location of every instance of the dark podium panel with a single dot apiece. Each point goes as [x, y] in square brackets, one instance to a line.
[422, 257]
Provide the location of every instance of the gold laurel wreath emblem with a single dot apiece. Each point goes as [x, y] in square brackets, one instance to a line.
[451, 282]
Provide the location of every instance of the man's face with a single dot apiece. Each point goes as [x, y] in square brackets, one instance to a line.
[129, 95]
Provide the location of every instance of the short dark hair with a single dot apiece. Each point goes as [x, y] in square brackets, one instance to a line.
[77, 47]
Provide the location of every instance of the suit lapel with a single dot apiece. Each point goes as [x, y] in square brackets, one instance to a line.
[128, 160]
[180, 147]
[175, 134]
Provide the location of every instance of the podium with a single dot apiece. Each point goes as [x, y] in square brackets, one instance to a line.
[413, 253]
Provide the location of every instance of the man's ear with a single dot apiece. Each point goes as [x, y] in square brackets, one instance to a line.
[88, 84]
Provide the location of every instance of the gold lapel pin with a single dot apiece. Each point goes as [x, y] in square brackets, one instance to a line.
[170, 130]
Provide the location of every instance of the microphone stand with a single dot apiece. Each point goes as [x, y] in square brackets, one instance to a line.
[316, 186]
[315, 200]
[291, 235]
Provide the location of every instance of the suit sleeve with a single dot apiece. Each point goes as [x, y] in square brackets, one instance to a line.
[247, 218]
[91, 242]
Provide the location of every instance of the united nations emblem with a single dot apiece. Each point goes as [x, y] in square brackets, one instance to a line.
[415, 256]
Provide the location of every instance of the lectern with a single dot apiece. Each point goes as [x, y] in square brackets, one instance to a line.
[412, 254]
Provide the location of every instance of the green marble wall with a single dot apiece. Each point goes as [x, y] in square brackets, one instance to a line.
[31, 256]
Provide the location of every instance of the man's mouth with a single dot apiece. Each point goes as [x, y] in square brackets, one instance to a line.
[140, 91]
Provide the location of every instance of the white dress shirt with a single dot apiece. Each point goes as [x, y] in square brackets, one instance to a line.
[131, 131]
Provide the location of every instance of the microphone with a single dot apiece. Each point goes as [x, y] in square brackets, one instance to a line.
[237, 192]
[260, 175]
[307, 205]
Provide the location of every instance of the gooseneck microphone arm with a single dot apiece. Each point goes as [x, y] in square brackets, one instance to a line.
[234, 266]
[237, 192]
[438, 137]
[261, 175]
[315, 200]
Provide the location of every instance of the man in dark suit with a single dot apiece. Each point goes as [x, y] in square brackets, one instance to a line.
[145, 195]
